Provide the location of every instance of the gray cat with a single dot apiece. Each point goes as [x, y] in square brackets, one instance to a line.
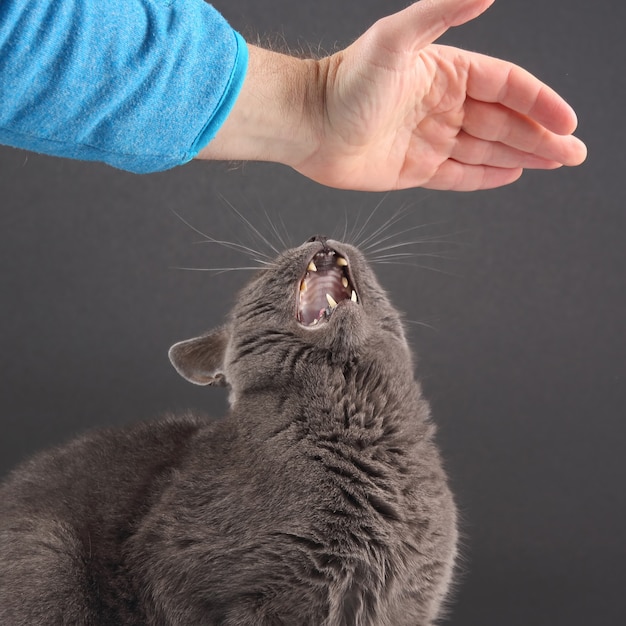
[319, 501]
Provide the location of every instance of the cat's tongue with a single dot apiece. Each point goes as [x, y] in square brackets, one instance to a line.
[324, 285]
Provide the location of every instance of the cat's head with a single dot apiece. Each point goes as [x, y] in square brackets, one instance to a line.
[317, 302]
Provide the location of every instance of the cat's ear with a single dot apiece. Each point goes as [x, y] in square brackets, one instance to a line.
[201, 360]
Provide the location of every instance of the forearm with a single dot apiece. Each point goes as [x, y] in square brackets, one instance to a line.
[278, 113]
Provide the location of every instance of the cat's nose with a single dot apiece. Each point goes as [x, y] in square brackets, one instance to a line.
[318, 238]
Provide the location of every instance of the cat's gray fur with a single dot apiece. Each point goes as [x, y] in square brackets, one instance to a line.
[319, 501]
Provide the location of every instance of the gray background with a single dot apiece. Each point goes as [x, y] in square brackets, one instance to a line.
[522, 357]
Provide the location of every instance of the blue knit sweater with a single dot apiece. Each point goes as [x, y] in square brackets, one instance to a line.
[140, 84]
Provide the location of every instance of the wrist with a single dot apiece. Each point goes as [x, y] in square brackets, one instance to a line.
[277, 115]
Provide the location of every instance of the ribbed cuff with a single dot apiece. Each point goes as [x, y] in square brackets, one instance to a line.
[226, 103]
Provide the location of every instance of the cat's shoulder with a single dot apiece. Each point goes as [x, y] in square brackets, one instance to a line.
[105, 455]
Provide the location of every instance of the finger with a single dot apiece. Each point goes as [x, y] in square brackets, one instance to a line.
[494, 122]
[472, 151]
[494, 80]
[421, 23]
[455, 176]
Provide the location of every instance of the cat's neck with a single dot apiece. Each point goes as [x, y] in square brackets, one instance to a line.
[363, 403]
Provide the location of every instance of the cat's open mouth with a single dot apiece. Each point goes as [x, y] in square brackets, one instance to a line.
[326, 283]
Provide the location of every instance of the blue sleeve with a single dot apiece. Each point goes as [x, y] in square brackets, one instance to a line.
[142, 85]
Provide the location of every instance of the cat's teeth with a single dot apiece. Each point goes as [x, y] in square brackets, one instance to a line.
[314, 322]
[344, 281]
[303, 286]
[341, 261]
[311, 267]
[353, 296]
[331, 301]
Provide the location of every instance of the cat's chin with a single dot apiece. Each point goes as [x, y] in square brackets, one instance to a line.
[345, 312]
[326, 286]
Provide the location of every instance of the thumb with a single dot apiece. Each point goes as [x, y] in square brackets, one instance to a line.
[421, 23]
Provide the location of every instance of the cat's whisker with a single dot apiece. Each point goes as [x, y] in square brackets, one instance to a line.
[266, 263]
[368, 220]
[237, 247]
[285, 231]
[413, 242]
[334, 234]
[416, 265]
[275, 230]
[378, 242]
[402, 255]
[217, 270]
[189, 225]
[349, 238]
[345, 223]
[398, 216]
[250, 225]
[232, 245]
[421, 323]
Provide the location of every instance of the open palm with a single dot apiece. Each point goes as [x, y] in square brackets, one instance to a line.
[403, 112]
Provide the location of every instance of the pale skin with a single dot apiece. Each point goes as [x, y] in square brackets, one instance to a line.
[395, 110]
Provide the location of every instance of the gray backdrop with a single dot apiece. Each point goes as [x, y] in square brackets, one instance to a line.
[522, 354]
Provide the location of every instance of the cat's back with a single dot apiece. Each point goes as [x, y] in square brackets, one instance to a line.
[66, 513]
[99, 469]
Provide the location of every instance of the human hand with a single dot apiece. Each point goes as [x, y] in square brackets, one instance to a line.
[401, 112]
[394, 110]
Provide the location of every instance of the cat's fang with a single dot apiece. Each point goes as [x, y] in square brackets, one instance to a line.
[331, 301]
[341, 261]
[312, 267]
[353, 296]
